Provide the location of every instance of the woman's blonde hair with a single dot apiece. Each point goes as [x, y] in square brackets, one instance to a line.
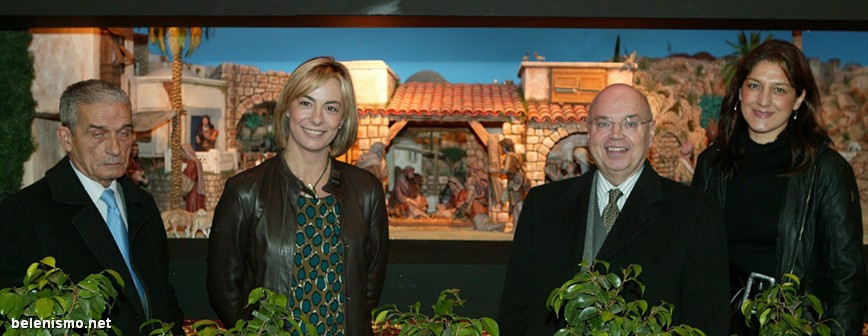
[309, 76]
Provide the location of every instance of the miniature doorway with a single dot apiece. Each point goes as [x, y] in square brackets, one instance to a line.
[569, 157]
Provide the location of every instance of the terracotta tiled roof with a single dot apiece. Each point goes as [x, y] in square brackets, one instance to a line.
[445, 99]
[554, 112]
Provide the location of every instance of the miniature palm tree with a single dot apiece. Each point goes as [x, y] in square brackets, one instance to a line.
[744, 46]
[176, 40]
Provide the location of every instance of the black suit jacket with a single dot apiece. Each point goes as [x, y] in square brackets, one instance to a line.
[55, 217]
[673, 231]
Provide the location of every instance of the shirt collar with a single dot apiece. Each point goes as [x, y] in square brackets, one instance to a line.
[603, 186]
[93, 188]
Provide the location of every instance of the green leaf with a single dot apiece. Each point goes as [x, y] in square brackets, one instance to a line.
[604, 263]
[295, 325]
[116, 276]
[32, 272]
[563, 332]
[280, 300]
[823, 330]
[64, 306]
[585, 300]
[815, 303]
[44, 307]
[7, 302]
[203, 324]
[381, 317]
[602, 297]
[444, 307]
[643, 306]
[490, 326]
[792, 321]
[588, 313]
[614, 279]
[437, 328]
[255, 295]
[14, 306]
[49, 260]
[89, 285]
[764, 317]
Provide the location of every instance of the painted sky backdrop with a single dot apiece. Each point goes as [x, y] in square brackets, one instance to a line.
[481, 55]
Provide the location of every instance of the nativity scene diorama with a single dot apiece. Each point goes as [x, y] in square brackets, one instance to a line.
[451, 156]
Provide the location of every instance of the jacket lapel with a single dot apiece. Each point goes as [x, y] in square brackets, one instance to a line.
[577, 207]
[136, 220]
[638, 214]
[135, 212]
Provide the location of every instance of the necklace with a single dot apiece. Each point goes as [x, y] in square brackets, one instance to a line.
[313, 185]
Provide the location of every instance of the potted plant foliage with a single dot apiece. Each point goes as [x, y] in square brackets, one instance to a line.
[592, 304]
[49, 295]
[388, 320]
[271, 317]
[782, 310]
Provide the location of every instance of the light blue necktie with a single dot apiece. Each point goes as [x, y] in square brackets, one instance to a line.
[119, 232]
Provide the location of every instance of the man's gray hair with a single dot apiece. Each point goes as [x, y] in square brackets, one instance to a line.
[86, 92]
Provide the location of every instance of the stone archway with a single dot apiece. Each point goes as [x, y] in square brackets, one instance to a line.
[541, 138]
[247, 87]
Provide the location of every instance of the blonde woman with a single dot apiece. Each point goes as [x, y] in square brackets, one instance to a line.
[302, 223]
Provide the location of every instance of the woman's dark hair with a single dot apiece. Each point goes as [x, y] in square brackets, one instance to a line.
[805, 134]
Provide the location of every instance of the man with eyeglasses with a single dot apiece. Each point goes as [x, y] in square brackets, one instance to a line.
[625, 213]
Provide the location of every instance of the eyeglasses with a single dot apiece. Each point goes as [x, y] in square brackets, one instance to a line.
[628, 125]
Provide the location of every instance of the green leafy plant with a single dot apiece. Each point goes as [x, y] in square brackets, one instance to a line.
[48, 294]
[592, 304]
[782, 310]
[17, 108]
[271, 317]
[444, 322]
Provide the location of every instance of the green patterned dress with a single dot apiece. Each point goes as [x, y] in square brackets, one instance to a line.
[318, 279]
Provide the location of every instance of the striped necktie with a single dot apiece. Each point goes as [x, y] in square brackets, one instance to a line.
[610, 212]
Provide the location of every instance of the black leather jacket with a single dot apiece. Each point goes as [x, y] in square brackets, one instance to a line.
[819, 232]
[251, 243]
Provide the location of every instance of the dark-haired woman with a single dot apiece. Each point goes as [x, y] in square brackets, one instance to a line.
[790, 201]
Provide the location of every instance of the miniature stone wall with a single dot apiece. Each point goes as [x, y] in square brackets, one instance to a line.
[372, 129]
[247, 87]
[158, 186]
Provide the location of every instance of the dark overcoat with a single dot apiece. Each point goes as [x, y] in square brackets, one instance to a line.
[673, 231]
[56, 217]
